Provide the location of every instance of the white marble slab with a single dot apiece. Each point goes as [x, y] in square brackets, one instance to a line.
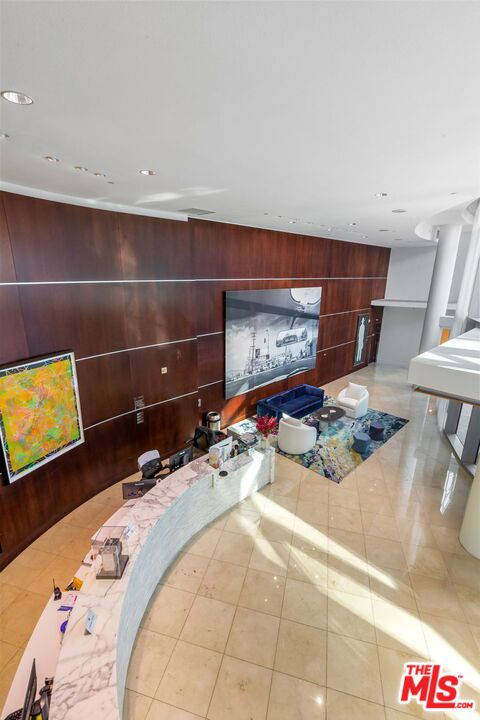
[92, 669]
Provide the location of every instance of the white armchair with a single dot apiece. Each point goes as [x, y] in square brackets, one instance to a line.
[294, 437]
[354, 400]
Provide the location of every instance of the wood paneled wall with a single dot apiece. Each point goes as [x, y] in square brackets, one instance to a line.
[131, 294]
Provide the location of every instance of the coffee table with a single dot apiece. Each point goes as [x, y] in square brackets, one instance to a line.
[329, 414]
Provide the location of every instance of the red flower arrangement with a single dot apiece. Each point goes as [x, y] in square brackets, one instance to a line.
[267, 425]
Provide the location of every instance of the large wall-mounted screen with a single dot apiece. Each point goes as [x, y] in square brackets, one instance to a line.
[269, 335]
[40, 414]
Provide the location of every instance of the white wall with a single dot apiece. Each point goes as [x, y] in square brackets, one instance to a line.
[410, 273]
[409, 276]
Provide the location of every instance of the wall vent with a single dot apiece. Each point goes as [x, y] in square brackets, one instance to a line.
[197, 211]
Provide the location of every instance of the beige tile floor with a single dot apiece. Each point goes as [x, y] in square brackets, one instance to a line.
[305, 600]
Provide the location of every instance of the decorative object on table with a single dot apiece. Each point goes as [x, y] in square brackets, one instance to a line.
[112, 555]
[329, 414]
[213, 420]
[332, 455]
[215, 458]
[90, 622]
[74, 584]
[266, 426]
[40, 415]
[376, 430]
[296, 402]
[57, 593]
[220, 452]
[354, 400]
[361, 337]
[243, 427]
[295, 437]
[269, 335]
[361, 441]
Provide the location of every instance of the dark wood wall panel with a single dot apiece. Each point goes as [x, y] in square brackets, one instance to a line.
[159, 312]
[153, 250]
[211, 358]
[337, 329]
[112, 286]
[7, 268]
[109, 384]
[55, 241]
[180, 360]
[105, 387]
[13, 340]
[89, 319]
[232, 251]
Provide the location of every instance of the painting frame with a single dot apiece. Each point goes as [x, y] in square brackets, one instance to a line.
[20, 367]
[361, 340]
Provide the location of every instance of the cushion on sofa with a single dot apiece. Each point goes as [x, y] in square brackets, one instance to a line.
[356, 391]
[300, 391]
[349, 402]
[291, 420]
[277, 401]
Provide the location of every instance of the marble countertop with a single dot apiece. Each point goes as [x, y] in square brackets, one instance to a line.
[88, 682]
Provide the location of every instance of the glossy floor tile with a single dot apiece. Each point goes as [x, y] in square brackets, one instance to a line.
[332, 587]
[305, 600]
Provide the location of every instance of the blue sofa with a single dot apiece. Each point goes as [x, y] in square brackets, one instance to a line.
[297, 402]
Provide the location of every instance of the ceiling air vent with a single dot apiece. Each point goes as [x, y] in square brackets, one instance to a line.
[197, 211]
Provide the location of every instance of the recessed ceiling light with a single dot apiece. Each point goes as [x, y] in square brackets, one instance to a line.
[364, 237]
[381, 194]
[3, 136]
[399, 210]
[16, 97]
[147, 172]
[81, 168]
[51, 158]
[99, 174]
[383, 230]
[291, 222]
[352, 224]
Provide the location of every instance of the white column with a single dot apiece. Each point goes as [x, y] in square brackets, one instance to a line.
[468, 279]
[448, 239]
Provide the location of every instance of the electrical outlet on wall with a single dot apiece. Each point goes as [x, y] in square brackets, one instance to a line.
[164, 370]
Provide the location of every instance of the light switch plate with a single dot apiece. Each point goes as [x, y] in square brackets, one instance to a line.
[164, 370]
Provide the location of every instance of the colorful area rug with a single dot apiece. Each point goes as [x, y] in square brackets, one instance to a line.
[332, 455]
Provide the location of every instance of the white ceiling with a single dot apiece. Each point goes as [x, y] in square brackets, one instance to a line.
[263, 112]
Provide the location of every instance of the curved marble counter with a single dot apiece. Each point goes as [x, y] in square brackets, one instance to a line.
[92, 669]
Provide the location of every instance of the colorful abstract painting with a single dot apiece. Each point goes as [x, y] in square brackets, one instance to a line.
[40, 414]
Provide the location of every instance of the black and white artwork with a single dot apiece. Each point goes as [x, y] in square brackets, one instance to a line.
[269, 335]
[359, 356]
